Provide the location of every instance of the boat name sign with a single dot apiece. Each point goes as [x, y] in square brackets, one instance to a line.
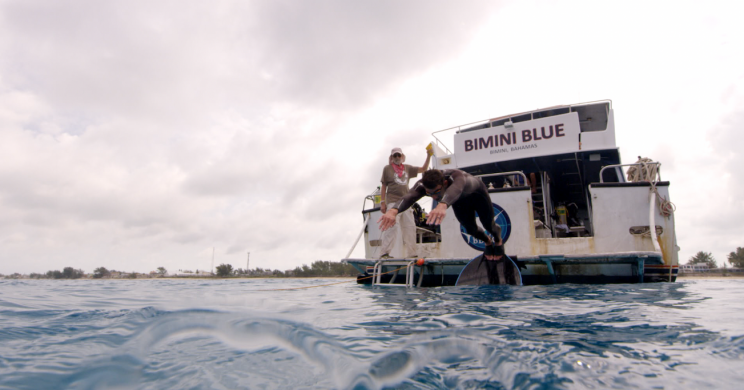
[539, 137]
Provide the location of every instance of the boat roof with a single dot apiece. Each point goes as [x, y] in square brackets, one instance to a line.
[528, 115]
[550, 131]
[553, 110]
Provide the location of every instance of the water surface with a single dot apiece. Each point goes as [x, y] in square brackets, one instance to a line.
[253, 333]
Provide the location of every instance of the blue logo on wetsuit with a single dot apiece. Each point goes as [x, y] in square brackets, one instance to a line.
[502, 219]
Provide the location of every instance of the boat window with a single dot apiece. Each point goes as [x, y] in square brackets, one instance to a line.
[593, 117]
[499, 122]
[521, 118]
[553, 112]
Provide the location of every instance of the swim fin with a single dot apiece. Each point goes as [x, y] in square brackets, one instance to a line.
[494, 250]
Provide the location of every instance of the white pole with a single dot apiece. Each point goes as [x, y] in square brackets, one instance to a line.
[359, 236]
[652, 222]
[212, 270]
[248, 262]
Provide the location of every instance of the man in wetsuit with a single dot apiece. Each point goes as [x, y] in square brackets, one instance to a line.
[466, 195]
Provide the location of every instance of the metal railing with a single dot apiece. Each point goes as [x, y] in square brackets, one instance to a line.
[506, 174]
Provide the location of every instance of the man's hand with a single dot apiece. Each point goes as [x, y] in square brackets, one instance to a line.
[437, 215]
[387, 220]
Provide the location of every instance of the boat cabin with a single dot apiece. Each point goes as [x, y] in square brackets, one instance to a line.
[560, 150]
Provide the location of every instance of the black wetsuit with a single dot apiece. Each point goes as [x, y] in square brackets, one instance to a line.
[466, 194]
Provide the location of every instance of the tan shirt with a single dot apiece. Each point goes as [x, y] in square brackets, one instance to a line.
[397, 187]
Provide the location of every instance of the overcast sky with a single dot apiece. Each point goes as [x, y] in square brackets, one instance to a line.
[140, 134]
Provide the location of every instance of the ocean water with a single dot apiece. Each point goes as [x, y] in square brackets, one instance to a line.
[266, 334]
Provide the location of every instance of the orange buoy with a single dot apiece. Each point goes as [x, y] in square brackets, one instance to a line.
[420, 262]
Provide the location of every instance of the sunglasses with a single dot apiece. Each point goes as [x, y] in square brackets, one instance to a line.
[397, 155]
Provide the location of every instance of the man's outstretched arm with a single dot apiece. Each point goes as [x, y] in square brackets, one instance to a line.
[388, 219]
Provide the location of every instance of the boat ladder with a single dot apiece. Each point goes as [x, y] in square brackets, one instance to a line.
[410, 273]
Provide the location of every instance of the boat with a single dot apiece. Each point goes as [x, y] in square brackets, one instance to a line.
[569, 210]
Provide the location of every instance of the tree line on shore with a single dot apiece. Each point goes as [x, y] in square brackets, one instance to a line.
[317, 268]
[71, 273]
[736, 259]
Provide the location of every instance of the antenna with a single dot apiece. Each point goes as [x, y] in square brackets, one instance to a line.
[248, 262]
[212, 269]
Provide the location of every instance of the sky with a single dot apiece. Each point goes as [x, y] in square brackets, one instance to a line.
[139, 134]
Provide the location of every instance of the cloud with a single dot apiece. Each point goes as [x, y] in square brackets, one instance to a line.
[343, 53]
[139, 132]
[155, 59]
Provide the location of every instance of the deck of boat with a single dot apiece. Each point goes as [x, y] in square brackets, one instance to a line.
[622, 267]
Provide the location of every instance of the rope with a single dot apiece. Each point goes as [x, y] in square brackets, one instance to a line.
[331, 284]
[666, 208]
[648, 171]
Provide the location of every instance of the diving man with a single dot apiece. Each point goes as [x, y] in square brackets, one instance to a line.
[466, 194]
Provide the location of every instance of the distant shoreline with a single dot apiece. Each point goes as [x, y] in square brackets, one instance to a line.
[194, 278]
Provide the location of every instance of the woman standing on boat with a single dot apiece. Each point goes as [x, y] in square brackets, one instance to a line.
[466, 194]
[395, 177]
